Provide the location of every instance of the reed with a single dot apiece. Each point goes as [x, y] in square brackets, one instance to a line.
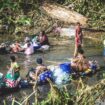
[82, 94]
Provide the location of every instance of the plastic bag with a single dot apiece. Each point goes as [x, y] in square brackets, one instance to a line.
[65, 67]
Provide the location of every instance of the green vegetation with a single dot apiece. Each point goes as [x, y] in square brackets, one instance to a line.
[76, 93]
[28, 13]
[17, 16]
[17, 13]
[92, 9]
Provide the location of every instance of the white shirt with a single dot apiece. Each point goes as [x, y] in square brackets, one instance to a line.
[29, 50]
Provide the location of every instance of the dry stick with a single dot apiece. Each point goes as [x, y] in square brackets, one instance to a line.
[27, 102]
[13, 101]
[93, 88]
[27, 97]
[17, 102]
[4, 102]
[36, 100]
[30, 94]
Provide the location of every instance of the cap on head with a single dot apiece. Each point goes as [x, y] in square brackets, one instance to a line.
[39, 60]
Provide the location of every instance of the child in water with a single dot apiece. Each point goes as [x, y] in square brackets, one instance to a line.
[16, 47]
[33, 74]
[41, 67]
[14, 65]
[12, 76]
[29, 49]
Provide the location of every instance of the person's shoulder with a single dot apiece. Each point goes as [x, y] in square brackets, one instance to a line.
[38, 67]
[16, 64]
[76, 27]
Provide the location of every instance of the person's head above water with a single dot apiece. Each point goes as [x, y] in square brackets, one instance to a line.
[27, 39]
[78, 23]
[28, 44]
[43, 32]
[81, 51]
[39, 60]
[12, 58]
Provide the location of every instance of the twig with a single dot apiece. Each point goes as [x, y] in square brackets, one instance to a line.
[17, 102]
[4, 102]
[28, 97]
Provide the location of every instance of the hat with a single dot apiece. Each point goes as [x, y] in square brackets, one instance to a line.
[39, 60]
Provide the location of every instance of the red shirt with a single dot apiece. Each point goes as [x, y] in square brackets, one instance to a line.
[78, 35]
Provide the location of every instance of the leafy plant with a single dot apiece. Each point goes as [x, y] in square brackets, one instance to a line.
[24, 21]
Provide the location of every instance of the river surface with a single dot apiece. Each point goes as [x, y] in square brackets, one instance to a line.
[56, 55]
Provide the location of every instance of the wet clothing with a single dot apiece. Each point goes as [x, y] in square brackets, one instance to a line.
[78, 36]
[15, 47]
[12, 80]
[3, 50]
[12, 75]
[35, 43]
[26, 39]
[35, 39]
[28, 49]
[41, 68]
[14, 65]
[43, 40]
[78, 39]
[34, 73]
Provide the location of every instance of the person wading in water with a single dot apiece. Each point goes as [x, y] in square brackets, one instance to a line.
[78, 38]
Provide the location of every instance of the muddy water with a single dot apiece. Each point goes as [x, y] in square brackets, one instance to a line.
[56, 55]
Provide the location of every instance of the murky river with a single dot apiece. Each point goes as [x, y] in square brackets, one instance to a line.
[56, 55]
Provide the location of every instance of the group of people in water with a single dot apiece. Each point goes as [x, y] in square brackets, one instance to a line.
[31, 45]
[79, 63]
[12, 77]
